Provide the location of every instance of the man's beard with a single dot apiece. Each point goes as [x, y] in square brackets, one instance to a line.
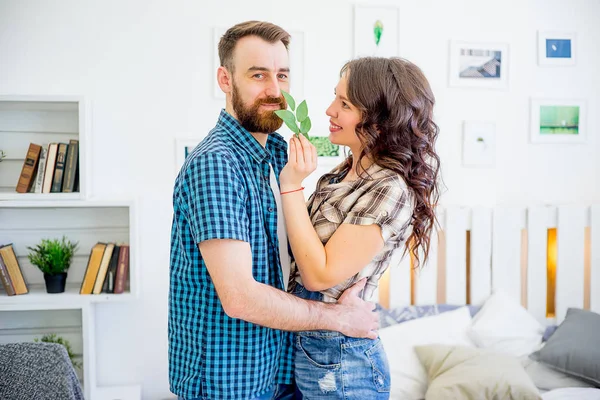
[254, 120]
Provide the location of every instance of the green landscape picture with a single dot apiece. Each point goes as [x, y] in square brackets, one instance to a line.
[563, 120]
[324, 147]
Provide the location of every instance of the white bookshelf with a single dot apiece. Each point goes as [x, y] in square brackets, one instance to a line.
[27, 218]
[41, 120]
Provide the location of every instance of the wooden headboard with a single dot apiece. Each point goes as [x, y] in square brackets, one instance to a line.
[516, 249]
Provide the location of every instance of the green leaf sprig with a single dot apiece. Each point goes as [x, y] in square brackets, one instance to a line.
[292, 119]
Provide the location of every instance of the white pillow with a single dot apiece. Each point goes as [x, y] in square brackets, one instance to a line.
[409, 378]
[503, 325]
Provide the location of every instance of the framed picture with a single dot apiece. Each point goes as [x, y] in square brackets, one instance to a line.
[376, 31]
[296, 54]
[479, 144]
[479, 65]
[183, 147]
[558, 121]
[328, 154]
[556, 48]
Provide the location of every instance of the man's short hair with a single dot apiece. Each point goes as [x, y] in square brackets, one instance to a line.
[267, 31]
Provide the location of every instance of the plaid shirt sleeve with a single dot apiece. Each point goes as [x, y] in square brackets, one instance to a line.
[214, 198]
[386, 205]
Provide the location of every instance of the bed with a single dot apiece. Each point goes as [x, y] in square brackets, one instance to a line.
[509, 292]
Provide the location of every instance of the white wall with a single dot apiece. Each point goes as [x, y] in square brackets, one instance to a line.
[146, 68]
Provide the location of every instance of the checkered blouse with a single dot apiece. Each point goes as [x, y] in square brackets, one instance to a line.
[383, 199]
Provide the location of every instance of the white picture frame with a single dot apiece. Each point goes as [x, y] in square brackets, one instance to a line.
[479, 144]
[479, 65]
[366, 42]
[296, 54]
[183, 146]
[557, 48]
[558, 121]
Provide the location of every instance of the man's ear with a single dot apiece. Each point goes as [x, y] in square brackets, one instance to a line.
[225, 80]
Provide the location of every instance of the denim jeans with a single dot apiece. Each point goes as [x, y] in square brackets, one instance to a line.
[329, 365]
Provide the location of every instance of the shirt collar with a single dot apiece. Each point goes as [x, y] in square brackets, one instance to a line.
[247, 142]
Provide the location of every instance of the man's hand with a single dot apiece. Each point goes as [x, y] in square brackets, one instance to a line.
[357, 318]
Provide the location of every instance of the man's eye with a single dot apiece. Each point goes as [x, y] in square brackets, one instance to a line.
[259, 76]
[283, 76]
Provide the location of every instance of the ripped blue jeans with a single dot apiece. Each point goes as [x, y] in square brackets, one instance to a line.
[329, 365]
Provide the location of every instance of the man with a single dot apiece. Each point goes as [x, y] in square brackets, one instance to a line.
[229, 315]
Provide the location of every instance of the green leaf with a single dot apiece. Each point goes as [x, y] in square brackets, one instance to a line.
[302, 111]
[292, 125]
[286, 115]
[305, 126]
[289, 99]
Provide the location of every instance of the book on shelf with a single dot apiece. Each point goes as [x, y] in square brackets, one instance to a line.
[29, 168]
[122, 269]
[50, 163]
[71, 166]
[41, 168]
[109, 280]
[9, 288]
[106, 257]
[13, 269]
[93, 266]
[59, 169]
[107, 269]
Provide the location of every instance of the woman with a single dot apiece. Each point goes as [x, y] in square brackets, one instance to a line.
[379, 201]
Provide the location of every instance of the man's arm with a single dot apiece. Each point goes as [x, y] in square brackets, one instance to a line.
[229, 264]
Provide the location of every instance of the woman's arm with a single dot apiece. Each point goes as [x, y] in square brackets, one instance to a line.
[350, 248]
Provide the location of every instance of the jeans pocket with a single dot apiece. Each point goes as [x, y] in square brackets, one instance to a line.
[381, 369]
[319, 351]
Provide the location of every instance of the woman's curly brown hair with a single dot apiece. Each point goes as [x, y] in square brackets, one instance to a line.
[397, 132]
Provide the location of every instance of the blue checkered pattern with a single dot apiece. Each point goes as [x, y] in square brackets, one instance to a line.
[223, 192]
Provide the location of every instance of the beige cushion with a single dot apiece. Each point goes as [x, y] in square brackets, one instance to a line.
[465, 373]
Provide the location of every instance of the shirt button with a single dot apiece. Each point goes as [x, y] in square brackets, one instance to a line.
[266, 177]
[270, 209]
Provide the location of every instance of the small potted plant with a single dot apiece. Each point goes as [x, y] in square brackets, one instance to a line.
[2, 155]
[53, 258]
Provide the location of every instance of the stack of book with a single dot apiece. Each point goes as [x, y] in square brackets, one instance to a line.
[10, 272]
[53, 168]
[107, 269]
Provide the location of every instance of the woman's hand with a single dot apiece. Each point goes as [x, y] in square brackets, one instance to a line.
[301, 163]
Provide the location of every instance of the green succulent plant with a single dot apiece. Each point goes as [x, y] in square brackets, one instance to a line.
[2, 155]
[294, 115]
[52, 256]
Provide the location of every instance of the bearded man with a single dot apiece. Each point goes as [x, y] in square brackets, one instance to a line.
[231, 321]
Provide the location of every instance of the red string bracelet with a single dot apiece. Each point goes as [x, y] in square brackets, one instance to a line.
[292, 191]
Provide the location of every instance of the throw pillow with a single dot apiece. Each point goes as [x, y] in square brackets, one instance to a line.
[464, 373]
[575, 346]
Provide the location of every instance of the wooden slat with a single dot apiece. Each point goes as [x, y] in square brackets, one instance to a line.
[595, 265]
[537, 275]
[456, 257]
[506, 253]
[426, 276]
[481, 255]
[570, 266]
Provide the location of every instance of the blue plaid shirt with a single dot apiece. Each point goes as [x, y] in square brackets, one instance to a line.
[223, 192]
